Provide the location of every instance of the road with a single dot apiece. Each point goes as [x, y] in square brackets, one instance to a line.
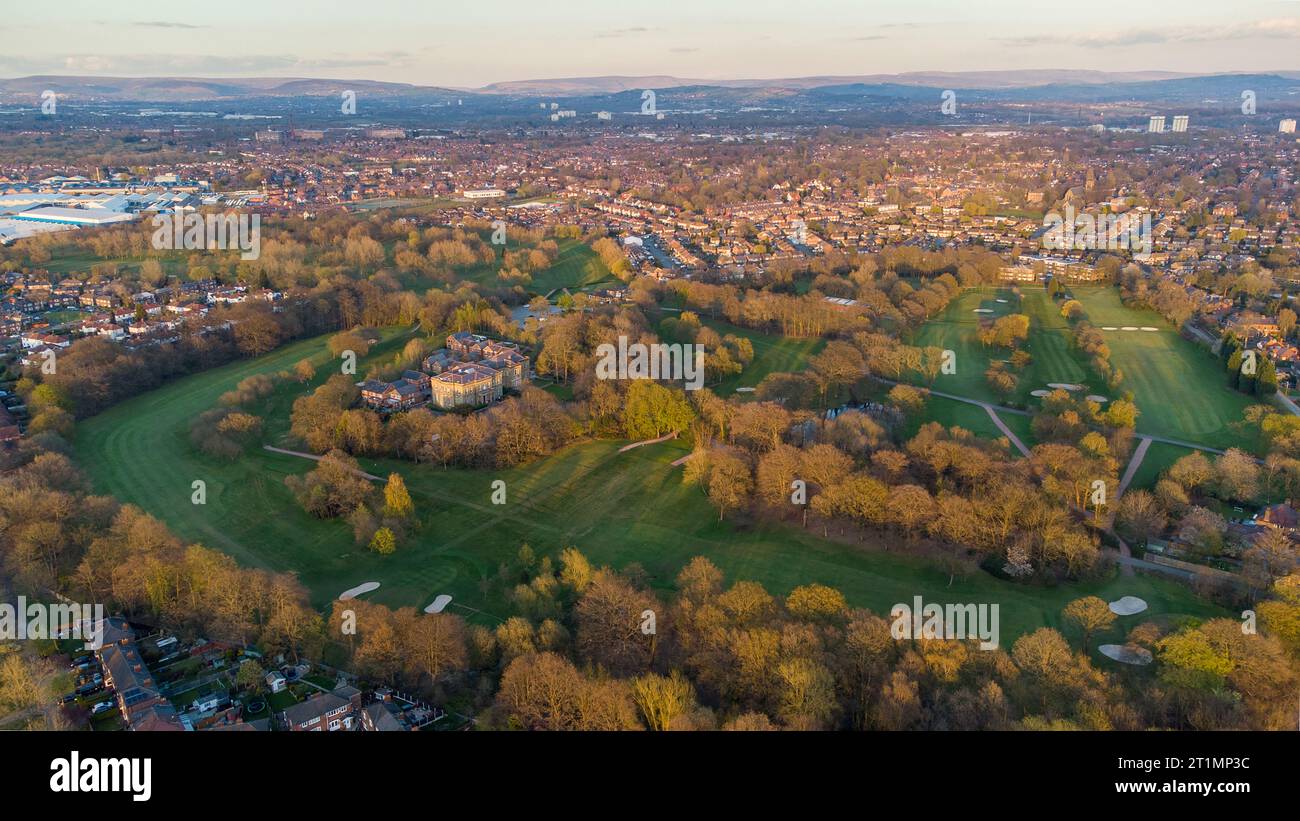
[1177, 572]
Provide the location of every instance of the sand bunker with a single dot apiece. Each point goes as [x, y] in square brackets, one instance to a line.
[1064, 386]
[1040, 393]
[1149, 328]
[364, 587]
[1002, 301]
[983, 310]
[1101, 400]
[1129, 328]
[1127, 606]
[1125, 654]
[439, 604]
[744, 390]
[1109, 328]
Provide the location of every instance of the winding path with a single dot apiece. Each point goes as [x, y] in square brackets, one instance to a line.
[1018, 412]
[372, 477]
[1136, 462]
[1006, 431]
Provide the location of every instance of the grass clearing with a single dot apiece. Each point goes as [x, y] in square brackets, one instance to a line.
[773, 353]
[955, 330]
[1178, 386]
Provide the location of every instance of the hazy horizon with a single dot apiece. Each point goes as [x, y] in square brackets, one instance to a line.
[472, 46]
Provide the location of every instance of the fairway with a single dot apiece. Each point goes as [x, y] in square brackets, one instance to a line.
[1179, 387]
[773, 353]
[955, 330]
[570, 270]
[616, 508]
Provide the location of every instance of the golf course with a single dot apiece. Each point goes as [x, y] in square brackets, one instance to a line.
[1178, 386]
[618, 508]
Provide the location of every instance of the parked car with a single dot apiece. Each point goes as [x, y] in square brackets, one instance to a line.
[87, 689]
[68, 699]
[101, 707]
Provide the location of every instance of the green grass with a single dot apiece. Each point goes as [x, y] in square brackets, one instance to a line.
[1160, 457]
[773, 353]
[950, 412]
[616, 508]
[1178, 386]
[570, 270]
[955, 330]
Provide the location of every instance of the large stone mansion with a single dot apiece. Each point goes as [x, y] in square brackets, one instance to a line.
[472, 370]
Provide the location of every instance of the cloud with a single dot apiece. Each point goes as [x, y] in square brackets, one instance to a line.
[622, 32]
[194, 65]
[1287, 28]
[162, 24]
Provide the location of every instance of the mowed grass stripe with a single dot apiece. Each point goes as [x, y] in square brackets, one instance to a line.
[1178, 386]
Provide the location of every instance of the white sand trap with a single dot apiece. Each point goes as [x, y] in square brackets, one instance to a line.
[983, 310]
[364, 587]
[1127, 606]
[1109, 328]
[1125, 654]
[1129, 328]
[1040, 393]
[439, 604]
[1003, 301]
[1149, 328]
[744, 390]
[1064, 386]
[1101, 400]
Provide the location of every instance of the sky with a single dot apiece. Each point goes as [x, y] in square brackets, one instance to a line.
[470, 44]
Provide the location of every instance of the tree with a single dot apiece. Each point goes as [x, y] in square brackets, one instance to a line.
[729, 483]
[434, 644]
[651, 410]
[1091, 615]
[304, 371]
[257, 333]
[383, 542]
[397, 502]
[663, 700]
[541, 691]
[807, 694]
[816, 602]
[251, 676]
[610, 622]
[1139, 516]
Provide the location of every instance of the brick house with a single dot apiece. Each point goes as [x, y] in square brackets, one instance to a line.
[325, 712]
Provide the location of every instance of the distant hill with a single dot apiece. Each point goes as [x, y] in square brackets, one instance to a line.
[194, 89]
[1057, 84]
[931, 79]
